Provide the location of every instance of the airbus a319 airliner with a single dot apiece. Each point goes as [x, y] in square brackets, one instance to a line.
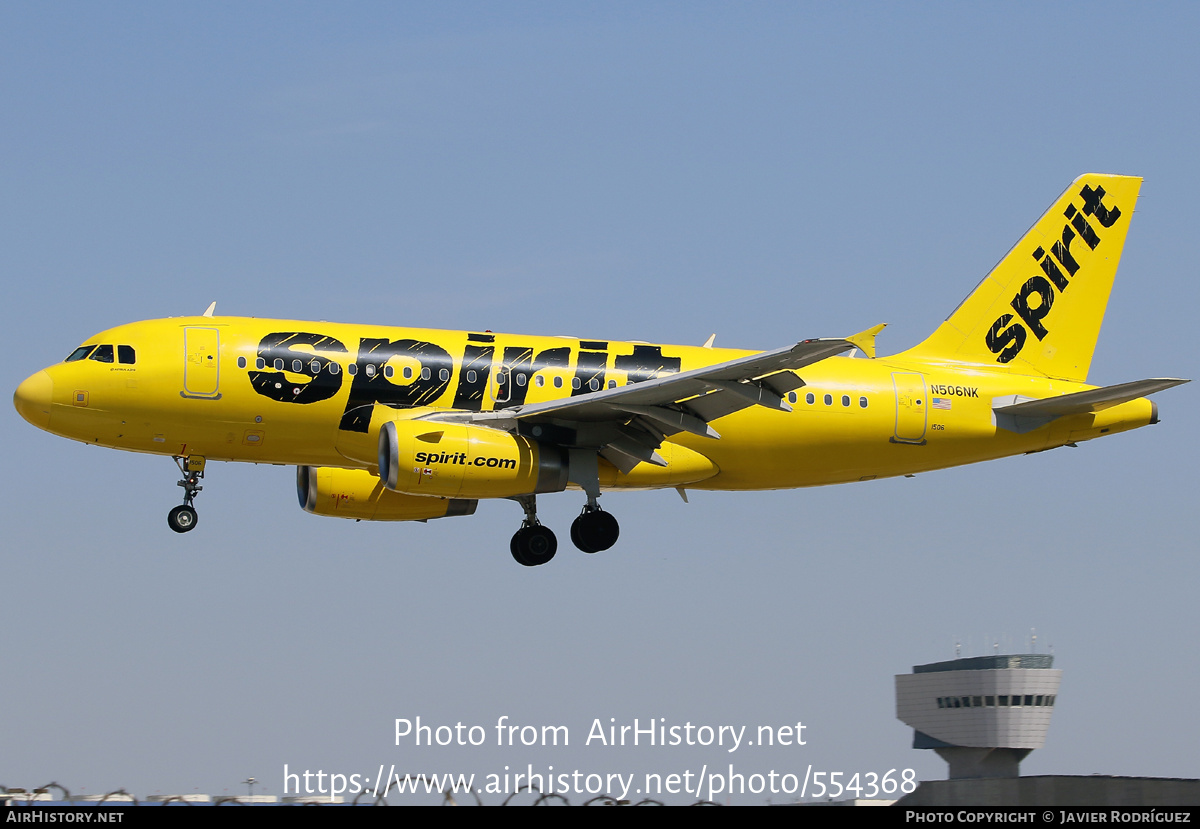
[405, 424]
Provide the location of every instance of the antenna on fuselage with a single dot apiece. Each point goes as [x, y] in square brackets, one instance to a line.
[212, 306]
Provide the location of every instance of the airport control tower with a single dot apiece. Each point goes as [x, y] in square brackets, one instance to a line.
[982, 714]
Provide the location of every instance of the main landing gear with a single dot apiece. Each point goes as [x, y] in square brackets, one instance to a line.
[594, 530]
[183, 517]
[535, 544]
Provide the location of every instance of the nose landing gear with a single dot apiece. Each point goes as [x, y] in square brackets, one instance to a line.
[183, 518]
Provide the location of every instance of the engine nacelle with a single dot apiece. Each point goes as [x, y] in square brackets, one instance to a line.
[356, 493]
[460, 460]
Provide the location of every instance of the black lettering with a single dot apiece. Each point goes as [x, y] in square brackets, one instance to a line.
[517, 360]
[478, 359]
[371, 387]
[1033, 315]
[1092, 206]
[552, 358]
[320, 385]
[1006, 343]
[592, 359]
[647, 362]
[1051, 269]
[1080, 224]
[1062, 251]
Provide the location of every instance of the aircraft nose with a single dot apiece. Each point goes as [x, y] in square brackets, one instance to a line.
[32, 399]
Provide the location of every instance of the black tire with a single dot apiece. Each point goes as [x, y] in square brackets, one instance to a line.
[595, 531]
[182, 519]
[533, 546]
[514, 547]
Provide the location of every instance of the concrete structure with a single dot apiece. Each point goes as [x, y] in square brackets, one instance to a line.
[982, 714]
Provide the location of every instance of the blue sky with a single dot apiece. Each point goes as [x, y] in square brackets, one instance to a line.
[769, 172]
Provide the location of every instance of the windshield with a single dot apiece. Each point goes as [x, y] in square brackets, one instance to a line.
[79, 353]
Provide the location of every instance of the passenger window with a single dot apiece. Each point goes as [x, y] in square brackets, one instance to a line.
[594, 384]
[444, 375]
[612, 384]
[315, 366]
[334, 368]
[260, 363]
[388, 371]
[520, 379]
[370, 369]
[829, 400]
[79, 353]
[471, 375]
[352, 369]
[278, 364]
[810, 398]
[425, 373]
[862, 402]
[558, 382]
[575, 383]
[539, 381]
[408, 372]
[102, 354]
[125, 355]
[241, 360]
[792, 397]
[846, 400]
[297, 366]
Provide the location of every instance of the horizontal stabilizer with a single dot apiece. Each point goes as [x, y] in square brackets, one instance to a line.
[1022, 416]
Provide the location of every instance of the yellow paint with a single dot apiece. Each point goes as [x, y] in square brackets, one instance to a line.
[189, 392]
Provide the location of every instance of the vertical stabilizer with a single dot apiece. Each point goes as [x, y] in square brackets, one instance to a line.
[1039, 311]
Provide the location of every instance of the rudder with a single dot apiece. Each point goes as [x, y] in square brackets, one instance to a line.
[1039, 310]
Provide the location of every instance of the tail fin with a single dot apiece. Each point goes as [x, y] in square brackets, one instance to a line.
[1039, 311]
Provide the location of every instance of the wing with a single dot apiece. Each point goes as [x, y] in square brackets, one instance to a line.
[627, 424]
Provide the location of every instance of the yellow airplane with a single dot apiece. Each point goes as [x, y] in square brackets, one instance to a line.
[403, 424]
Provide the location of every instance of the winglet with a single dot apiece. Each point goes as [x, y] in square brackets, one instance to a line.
[709, 342]
[211, 308]
[865, 340]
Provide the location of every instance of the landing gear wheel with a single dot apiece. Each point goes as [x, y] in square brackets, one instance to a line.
[533, 545]
[182, 518]
[594, 530]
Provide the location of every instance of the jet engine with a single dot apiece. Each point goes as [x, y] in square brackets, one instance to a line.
[356, 493]
[466, 461]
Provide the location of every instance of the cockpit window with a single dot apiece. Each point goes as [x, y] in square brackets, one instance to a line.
[102, 354]
[125, 354]
[79, 353]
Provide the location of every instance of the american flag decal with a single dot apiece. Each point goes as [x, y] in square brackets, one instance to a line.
[941, 402]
